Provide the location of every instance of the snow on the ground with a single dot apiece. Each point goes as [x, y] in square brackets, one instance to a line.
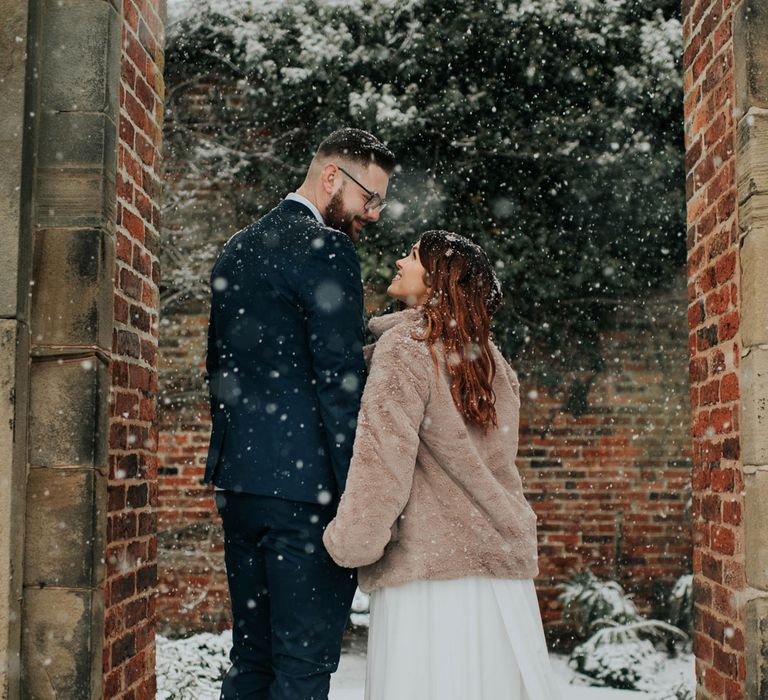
[191, 669]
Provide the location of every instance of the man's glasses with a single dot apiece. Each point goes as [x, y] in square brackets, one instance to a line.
[374, 201]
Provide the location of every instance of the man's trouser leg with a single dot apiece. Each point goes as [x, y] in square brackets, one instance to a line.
[290, 602]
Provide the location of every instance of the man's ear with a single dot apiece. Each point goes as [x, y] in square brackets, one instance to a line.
[329, 178]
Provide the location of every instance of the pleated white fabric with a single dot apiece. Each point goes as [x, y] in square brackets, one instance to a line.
[465, 639]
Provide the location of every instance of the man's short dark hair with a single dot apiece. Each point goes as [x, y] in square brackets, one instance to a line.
[358, 146]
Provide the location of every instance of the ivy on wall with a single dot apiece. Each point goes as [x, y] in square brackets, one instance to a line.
[547, 130]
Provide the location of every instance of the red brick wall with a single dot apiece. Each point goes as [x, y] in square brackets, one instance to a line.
[129, 658]
[610, 486]
[713, 317]
[193, 589]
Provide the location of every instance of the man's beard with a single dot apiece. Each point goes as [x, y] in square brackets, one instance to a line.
[335, 216]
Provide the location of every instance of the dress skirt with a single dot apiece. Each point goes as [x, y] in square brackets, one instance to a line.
[464, 639]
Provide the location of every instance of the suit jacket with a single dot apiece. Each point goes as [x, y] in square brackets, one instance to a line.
[285, 358]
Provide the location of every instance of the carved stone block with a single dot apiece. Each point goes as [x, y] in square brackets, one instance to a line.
[68, 412]
[72, 295]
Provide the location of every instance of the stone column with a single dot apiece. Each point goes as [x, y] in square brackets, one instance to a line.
[750, 33]
[726, 130]
[72, 116]
[81, 106]
[14, 333]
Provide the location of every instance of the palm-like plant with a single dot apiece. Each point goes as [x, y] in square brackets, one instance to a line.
[620, 650]
[589, 601]
[681, 603]
[641, 628]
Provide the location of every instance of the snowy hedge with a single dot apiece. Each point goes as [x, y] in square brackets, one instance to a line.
[548, 130]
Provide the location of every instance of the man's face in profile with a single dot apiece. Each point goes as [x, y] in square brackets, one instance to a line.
[352, 206]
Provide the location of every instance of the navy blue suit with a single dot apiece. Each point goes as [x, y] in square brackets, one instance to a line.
[286, 372]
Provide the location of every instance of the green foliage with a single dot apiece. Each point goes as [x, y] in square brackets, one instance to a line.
[678, 611]
[613, 633]
[679, 692]
[588, 602]
[681, 604]
[623, 665]
[618, 643]
[550, 131]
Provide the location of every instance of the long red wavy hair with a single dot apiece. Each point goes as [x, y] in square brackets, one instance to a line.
[464, 294]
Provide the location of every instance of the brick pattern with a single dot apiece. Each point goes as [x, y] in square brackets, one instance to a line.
[714, 344]
[129, 656]
[611, 487]
[192, 589]
[193, 592]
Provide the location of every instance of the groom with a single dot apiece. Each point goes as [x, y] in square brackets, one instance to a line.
[286, 372]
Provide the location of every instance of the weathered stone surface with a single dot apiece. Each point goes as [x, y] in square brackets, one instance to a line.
[754, 408]
[752, 154]
[754, 287]
[80, 57]
[60, 535]
[73, 140]
[750, 27]
[756, 648]
[14, 349]
[756, 528]
[68, 412]
[753, 213]
[13, 45]
[75, 198]
[61, 644]
[72, 295]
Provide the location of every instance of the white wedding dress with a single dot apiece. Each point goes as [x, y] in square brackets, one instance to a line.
[464, 639]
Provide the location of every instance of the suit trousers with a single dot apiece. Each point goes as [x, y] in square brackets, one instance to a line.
[290, 601]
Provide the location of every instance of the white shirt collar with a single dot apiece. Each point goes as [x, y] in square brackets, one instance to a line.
[303, 200]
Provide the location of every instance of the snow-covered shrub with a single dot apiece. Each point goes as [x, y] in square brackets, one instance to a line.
[192, 668]
[638, 629]
[624, 655]
[680, 692]
[589, 601]
[617, 665]
[620, 651]
[680, 604]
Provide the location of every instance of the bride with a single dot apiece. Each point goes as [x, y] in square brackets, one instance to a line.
[434, 513]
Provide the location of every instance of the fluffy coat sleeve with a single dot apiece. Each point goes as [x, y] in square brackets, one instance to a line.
[384, 455]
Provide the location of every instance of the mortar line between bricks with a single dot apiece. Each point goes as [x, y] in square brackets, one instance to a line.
[72, 468]
[96, 588]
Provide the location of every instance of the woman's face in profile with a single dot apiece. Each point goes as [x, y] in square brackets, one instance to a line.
[408, 284]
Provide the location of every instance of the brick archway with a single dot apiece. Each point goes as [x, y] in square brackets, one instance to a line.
[78, 196]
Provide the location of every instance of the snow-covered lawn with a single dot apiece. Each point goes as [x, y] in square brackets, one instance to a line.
[190, 669]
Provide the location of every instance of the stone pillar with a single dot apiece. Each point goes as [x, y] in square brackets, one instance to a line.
[72, 115]
[726, 134]
[81, 99]
[750, 31]
[14, 334]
